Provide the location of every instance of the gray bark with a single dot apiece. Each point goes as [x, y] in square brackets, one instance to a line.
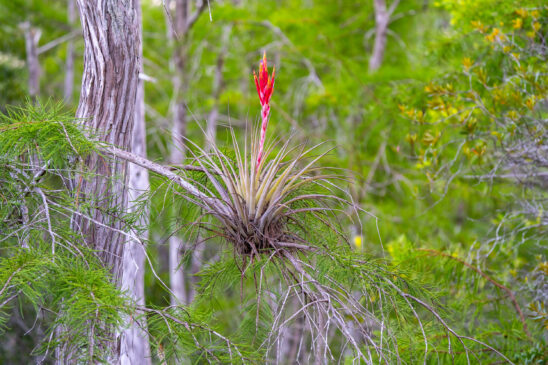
[69, 63]
[32, 36]
[135, 347]
[107, 105]
[382, 19]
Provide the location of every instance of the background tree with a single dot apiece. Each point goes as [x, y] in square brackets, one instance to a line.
[69, 63]
[135, 347]
[382, 19]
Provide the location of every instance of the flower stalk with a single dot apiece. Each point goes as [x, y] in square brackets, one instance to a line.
[265, 86]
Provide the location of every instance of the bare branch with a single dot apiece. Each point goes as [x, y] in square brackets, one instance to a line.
[163, 171]
[54, 43]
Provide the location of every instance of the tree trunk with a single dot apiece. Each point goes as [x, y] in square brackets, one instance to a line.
[32, 36]
[69, 63]
[135, 347]
[107, 106]
[182, 10]
[382, 19]
[178, 131]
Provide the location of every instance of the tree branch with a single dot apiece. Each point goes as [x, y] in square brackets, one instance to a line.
[193, 18]
[54, 43]
[166, 172]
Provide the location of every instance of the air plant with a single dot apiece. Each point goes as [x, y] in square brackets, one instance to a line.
[258, 196]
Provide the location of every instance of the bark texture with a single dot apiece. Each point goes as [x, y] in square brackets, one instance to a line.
[134, 344]
[107, 106]
[112, 62]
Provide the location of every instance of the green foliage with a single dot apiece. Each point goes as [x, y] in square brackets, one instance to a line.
[487, 11]
[44, 125]
[75, 293]
[179, 334]
[487, 120]
[9, 84]
[44, 265]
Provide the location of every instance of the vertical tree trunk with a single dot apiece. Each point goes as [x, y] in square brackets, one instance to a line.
[382, 19]
[69, 63]
[107, 105]
[135, 347]
[178, 131]
[32, 36]
[182, 10]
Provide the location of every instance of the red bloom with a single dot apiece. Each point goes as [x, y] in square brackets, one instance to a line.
[265, 86]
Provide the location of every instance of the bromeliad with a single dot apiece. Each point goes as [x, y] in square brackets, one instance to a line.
[265, 86]
[263, 196]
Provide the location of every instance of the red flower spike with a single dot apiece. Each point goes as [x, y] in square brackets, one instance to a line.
[264, 84]
[265, 87]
